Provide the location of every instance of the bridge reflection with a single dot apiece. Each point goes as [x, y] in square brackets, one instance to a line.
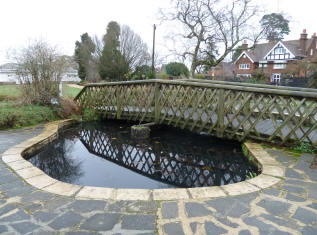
[168, 160]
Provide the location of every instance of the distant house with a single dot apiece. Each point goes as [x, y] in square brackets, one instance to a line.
[274, 57]
[8, 74]
[223, 71]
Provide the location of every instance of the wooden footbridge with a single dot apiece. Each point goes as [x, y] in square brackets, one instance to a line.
[281, 115]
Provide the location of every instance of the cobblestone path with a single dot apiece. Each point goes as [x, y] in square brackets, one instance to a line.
[287, 208]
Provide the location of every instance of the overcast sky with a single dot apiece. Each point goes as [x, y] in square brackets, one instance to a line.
[61, 22]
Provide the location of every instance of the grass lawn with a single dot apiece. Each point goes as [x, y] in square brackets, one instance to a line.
[70, 91]
[15, 115]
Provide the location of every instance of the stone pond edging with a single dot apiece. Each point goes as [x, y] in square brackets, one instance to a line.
[271, 174]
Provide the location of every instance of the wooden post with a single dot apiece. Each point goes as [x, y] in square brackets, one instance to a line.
[119, 102]
[220, 113]
[156, 102]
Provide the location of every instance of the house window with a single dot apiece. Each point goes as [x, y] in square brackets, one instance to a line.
[279, 66]
[276, 78]
[244, 66]
[263, 65]
[311, 51]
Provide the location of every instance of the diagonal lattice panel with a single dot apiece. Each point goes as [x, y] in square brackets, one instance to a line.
[277, 115]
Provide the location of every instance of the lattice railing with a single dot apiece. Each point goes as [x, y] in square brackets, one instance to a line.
[276, 115]
[181, 166]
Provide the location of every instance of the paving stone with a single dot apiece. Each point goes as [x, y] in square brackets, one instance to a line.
[145, 233]
[101, 222]
[246, 198]
[57, 203]
[11, 185]
[17, 216]
[245, 232]
[44, 216]
[212, 229]
[138, 222]
[24, 227]
[119, 206]
[43, 233]
[33, 207]
[88, 205]
[8, 178]
[274, 207]
[3, 229]
[7, 208]
[272, 191]
[66, 220]
[238, 210]
[312, 190]
[173, 229]
[193, 227]
[305, 216]
[294, 198]
[196, 210]
[263, 227]
[4, 172]
[37, 196]
[293, 189]
[280, 233]
[313, 205]
[290, 173]
[227, 222]
[297, 183]
[81, 233]
[169, 210]
[286, 222]
[19, 191]
[222, 205]
[281, 157]
[307, 230]
[144, 207]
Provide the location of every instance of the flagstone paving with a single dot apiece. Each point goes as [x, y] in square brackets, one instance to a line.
[287, 208]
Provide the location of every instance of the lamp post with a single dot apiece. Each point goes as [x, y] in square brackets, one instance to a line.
[213, 69]
[153, 68]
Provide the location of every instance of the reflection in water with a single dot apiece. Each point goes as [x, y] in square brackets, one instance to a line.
[169, 158]
[57, 161]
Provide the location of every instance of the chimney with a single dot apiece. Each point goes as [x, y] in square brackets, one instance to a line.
[314, 36]
[302, 42]
[245, 45]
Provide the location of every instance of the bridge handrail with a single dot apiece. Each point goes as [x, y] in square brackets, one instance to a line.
[252, 85]
[263, 90]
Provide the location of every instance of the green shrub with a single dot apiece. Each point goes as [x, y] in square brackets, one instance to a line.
[90, 115]
[199, 76]
[177, 69]
[162, 75]
[305, 148]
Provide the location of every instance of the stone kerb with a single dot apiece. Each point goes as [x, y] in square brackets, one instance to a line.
[272, 173]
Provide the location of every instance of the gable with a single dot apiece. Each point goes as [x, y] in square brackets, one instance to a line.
[244, 54]
[279, 52]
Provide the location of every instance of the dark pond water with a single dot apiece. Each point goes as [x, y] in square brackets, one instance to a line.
[103, 154]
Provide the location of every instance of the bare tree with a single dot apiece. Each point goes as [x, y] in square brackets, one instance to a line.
[212, 28]
[40, 70]
[133, 48]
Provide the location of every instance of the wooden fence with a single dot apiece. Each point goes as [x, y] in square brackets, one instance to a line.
[261, 112]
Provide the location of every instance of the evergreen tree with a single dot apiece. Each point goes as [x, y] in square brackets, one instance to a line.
[112, 62]
[275, 26]
[83, 53]
[237, 53]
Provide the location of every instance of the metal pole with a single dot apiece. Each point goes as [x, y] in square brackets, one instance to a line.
[153, 69]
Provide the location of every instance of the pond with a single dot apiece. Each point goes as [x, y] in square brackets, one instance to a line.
[103, 154]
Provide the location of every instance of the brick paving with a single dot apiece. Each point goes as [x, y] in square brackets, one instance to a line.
[287, 208]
